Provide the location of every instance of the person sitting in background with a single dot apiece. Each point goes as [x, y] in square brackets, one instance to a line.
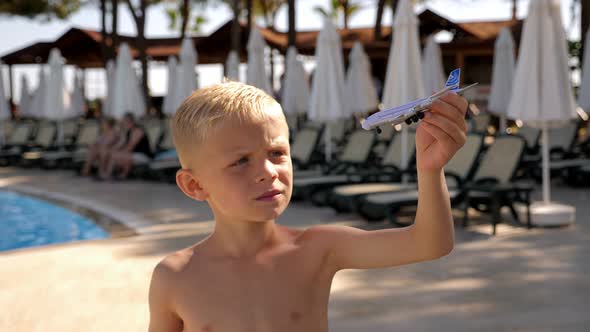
[100, 149]
[134, 147]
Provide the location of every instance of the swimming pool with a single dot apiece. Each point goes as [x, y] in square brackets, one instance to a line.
[28, 222]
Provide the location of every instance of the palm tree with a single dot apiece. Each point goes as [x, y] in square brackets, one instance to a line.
[108, 39]
[379, 17]
[182, 11]
[346, 8]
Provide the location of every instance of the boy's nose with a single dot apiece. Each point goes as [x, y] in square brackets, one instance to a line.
[269, 172]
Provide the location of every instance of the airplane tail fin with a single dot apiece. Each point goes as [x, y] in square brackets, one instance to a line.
[454, 80]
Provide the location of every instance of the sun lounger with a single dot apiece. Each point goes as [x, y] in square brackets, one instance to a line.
[490, 186]
[44, 141]
[479, 123]
[74, 154]
[345, 198]
[304, 146]
[355, 154]
[165, 163]
[17, 142]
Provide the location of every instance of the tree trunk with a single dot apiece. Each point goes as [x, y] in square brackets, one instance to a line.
[292, 32]
[139, 19]
[585, 18]
[249, 4]
[514, 8]
[103, 32]
[113, 34]
[103, 29]
[378, 19]
[344, 6]
[184, 12]
[143, 55]
[394, 7]
[235, 28]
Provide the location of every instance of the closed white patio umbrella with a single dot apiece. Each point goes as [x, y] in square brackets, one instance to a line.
[56, 100]
[36, 109]
[24, 106]
[403, 80]
[186, 78]
[433, 75]
[542, 93]
[326, 103]
[77, 99]
[127, 95]
[169, 105]
[232, 66]
[295, 91]
[256, 74]
[360, 95]
[107, 108]
[502, 76]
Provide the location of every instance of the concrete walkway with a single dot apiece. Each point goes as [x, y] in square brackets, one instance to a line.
[519, 280]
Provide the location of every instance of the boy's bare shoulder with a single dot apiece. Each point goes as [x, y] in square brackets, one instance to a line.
[318, 234]
[172, 267]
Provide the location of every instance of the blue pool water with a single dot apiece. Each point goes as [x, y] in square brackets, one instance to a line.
[28, 222]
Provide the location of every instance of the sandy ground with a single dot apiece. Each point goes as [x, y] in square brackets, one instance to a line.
[519, 280]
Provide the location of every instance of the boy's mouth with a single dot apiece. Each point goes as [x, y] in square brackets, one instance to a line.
[269, 195]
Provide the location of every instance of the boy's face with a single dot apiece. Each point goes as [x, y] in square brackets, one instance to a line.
[244, 169]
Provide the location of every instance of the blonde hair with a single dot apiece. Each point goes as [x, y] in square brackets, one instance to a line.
[208, 107]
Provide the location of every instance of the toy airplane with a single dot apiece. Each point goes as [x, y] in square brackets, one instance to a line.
[413, 111]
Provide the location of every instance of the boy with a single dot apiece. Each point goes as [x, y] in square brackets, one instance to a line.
[251, 274]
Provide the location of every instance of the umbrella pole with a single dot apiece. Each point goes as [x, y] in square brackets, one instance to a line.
[546, 174]
[404, 151]
[502, 124]
[328, 142]
[1, 134]
[60, 133]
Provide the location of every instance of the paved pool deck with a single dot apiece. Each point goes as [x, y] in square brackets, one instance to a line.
[518, 280]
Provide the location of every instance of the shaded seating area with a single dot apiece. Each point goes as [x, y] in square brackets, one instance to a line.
[347, 198]
[72, 155]
[355, 155]
[493, 174]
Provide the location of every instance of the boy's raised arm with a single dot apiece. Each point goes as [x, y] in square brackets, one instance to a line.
[439, 136]
[162, 318]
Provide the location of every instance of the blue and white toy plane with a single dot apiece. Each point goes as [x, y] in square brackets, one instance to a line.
[413, 111]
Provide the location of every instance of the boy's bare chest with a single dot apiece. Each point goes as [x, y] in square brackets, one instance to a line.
[287, 293]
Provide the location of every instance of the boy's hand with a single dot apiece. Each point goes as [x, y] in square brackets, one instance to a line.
[441, 133]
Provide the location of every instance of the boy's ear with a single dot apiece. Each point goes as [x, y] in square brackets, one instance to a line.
[189, 185]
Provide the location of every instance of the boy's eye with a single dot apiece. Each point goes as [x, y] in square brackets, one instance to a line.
[241, 161]
[277, 153]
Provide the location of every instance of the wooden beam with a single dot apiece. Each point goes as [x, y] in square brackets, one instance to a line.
[459, 63]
